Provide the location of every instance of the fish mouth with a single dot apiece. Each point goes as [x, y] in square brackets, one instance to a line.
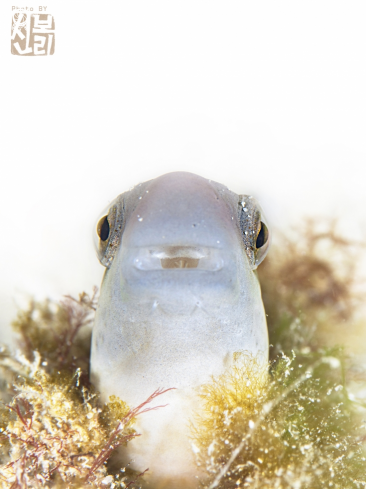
[179, 262]
[186, 258]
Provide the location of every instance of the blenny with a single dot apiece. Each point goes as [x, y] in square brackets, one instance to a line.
[179, 297]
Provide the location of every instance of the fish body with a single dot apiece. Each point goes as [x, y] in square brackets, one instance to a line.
[179, 297]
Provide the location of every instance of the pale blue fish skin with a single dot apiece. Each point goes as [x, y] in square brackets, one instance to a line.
[175, 327]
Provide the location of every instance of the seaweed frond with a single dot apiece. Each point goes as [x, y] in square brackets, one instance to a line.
[54, 431]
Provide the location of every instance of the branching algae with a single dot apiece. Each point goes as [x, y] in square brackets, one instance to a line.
[288, 424]
[53, 433]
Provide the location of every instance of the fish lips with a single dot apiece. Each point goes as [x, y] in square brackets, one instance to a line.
[179, 279]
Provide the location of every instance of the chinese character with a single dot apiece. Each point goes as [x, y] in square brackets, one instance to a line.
[32, 34]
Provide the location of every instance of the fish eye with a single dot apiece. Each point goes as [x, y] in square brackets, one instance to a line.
[254, 231]
[103, 228]
[262, 237]
[108, 232]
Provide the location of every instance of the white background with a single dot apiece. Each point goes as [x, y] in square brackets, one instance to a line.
[266, 97]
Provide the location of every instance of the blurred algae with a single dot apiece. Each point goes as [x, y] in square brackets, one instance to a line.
[292, 425]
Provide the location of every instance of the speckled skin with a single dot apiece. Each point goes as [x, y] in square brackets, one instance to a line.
[174, 327]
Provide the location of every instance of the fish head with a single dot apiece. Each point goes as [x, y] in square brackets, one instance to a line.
[180, 242]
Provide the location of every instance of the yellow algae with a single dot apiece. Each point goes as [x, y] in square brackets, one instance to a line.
[53, 432]
[292, 427]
